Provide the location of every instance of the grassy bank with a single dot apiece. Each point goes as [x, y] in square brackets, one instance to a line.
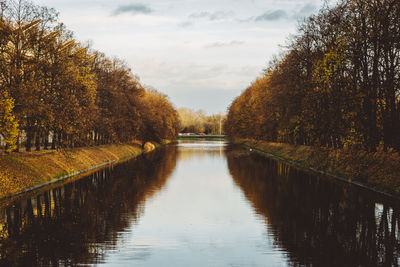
[19, 171]
[379, 170]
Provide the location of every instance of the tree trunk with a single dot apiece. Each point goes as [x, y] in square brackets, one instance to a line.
[37, 140]
[29, 137]
[53, 141]
[46, 140]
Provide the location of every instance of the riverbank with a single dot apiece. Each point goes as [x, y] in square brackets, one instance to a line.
[21, 171]
[379, 171]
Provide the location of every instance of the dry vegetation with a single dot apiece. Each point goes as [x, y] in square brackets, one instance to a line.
[19, 171]
[378, 170]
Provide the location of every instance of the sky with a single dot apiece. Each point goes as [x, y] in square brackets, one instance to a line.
[201, 53]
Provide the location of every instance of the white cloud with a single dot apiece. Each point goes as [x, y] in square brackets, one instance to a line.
[224, 44]
[213, 16]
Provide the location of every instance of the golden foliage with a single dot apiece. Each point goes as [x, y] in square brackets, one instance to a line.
[335, 86]
[69, 93]
[8, 123]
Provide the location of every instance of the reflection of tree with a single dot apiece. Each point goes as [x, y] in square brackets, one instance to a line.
[319, 222]
[191, 153]
[77, 222]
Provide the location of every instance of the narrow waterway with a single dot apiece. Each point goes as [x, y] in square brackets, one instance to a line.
[201, 203]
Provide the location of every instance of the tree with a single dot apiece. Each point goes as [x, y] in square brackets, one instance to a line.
[336, 85]
[65, 92]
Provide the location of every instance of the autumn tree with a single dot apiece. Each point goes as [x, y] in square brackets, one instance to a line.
[336, 85]
[196, 121]
[161, 120]
[67, 93]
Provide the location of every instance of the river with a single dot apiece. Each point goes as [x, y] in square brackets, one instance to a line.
[201, 203]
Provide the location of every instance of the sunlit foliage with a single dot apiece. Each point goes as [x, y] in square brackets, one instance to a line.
[336, 85]
[64, 92]
[8, 124]
[193, 121]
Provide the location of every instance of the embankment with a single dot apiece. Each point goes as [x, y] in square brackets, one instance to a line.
[21, 171]
[379, 171]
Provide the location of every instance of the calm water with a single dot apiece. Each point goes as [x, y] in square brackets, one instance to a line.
[201, 203]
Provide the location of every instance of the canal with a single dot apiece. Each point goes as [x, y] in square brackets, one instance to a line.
[201, 203]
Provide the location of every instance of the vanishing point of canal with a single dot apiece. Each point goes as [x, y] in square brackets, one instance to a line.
[201, 203]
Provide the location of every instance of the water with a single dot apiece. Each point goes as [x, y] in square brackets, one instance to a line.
[201, 203]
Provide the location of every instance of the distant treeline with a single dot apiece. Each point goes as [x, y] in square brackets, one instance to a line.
[337, 84]
[198, 122]
[54, 88]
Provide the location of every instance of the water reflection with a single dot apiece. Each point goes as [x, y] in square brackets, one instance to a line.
[201, 203]
[190, 149]
[317, 221]
[76, 223]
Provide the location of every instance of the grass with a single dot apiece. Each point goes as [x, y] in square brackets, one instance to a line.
[377, 170]
[19, 171]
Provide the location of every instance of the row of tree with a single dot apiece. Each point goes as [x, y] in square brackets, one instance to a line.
[55, 88]
[193, 121]
[336, 85]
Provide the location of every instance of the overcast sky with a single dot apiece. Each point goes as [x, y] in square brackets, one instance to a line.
[201, 53]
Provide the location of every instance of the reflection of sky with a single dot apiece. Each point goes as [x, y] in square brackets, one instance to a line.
[201, 218]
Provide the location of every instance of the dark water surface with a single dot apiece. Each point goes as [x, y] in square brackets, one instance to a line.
[201, 203]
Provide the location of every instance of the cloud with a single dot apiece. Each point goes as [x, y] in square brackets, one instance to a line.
[224, 44]
[272, 15]
[279, 14]
[305, 11]
[133, 9]
[218, 15]
[185, 24]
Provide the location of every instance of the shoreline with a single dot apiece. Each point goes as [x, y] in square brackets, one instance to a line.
[76, 163]
[374, 177]
[57, 180]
